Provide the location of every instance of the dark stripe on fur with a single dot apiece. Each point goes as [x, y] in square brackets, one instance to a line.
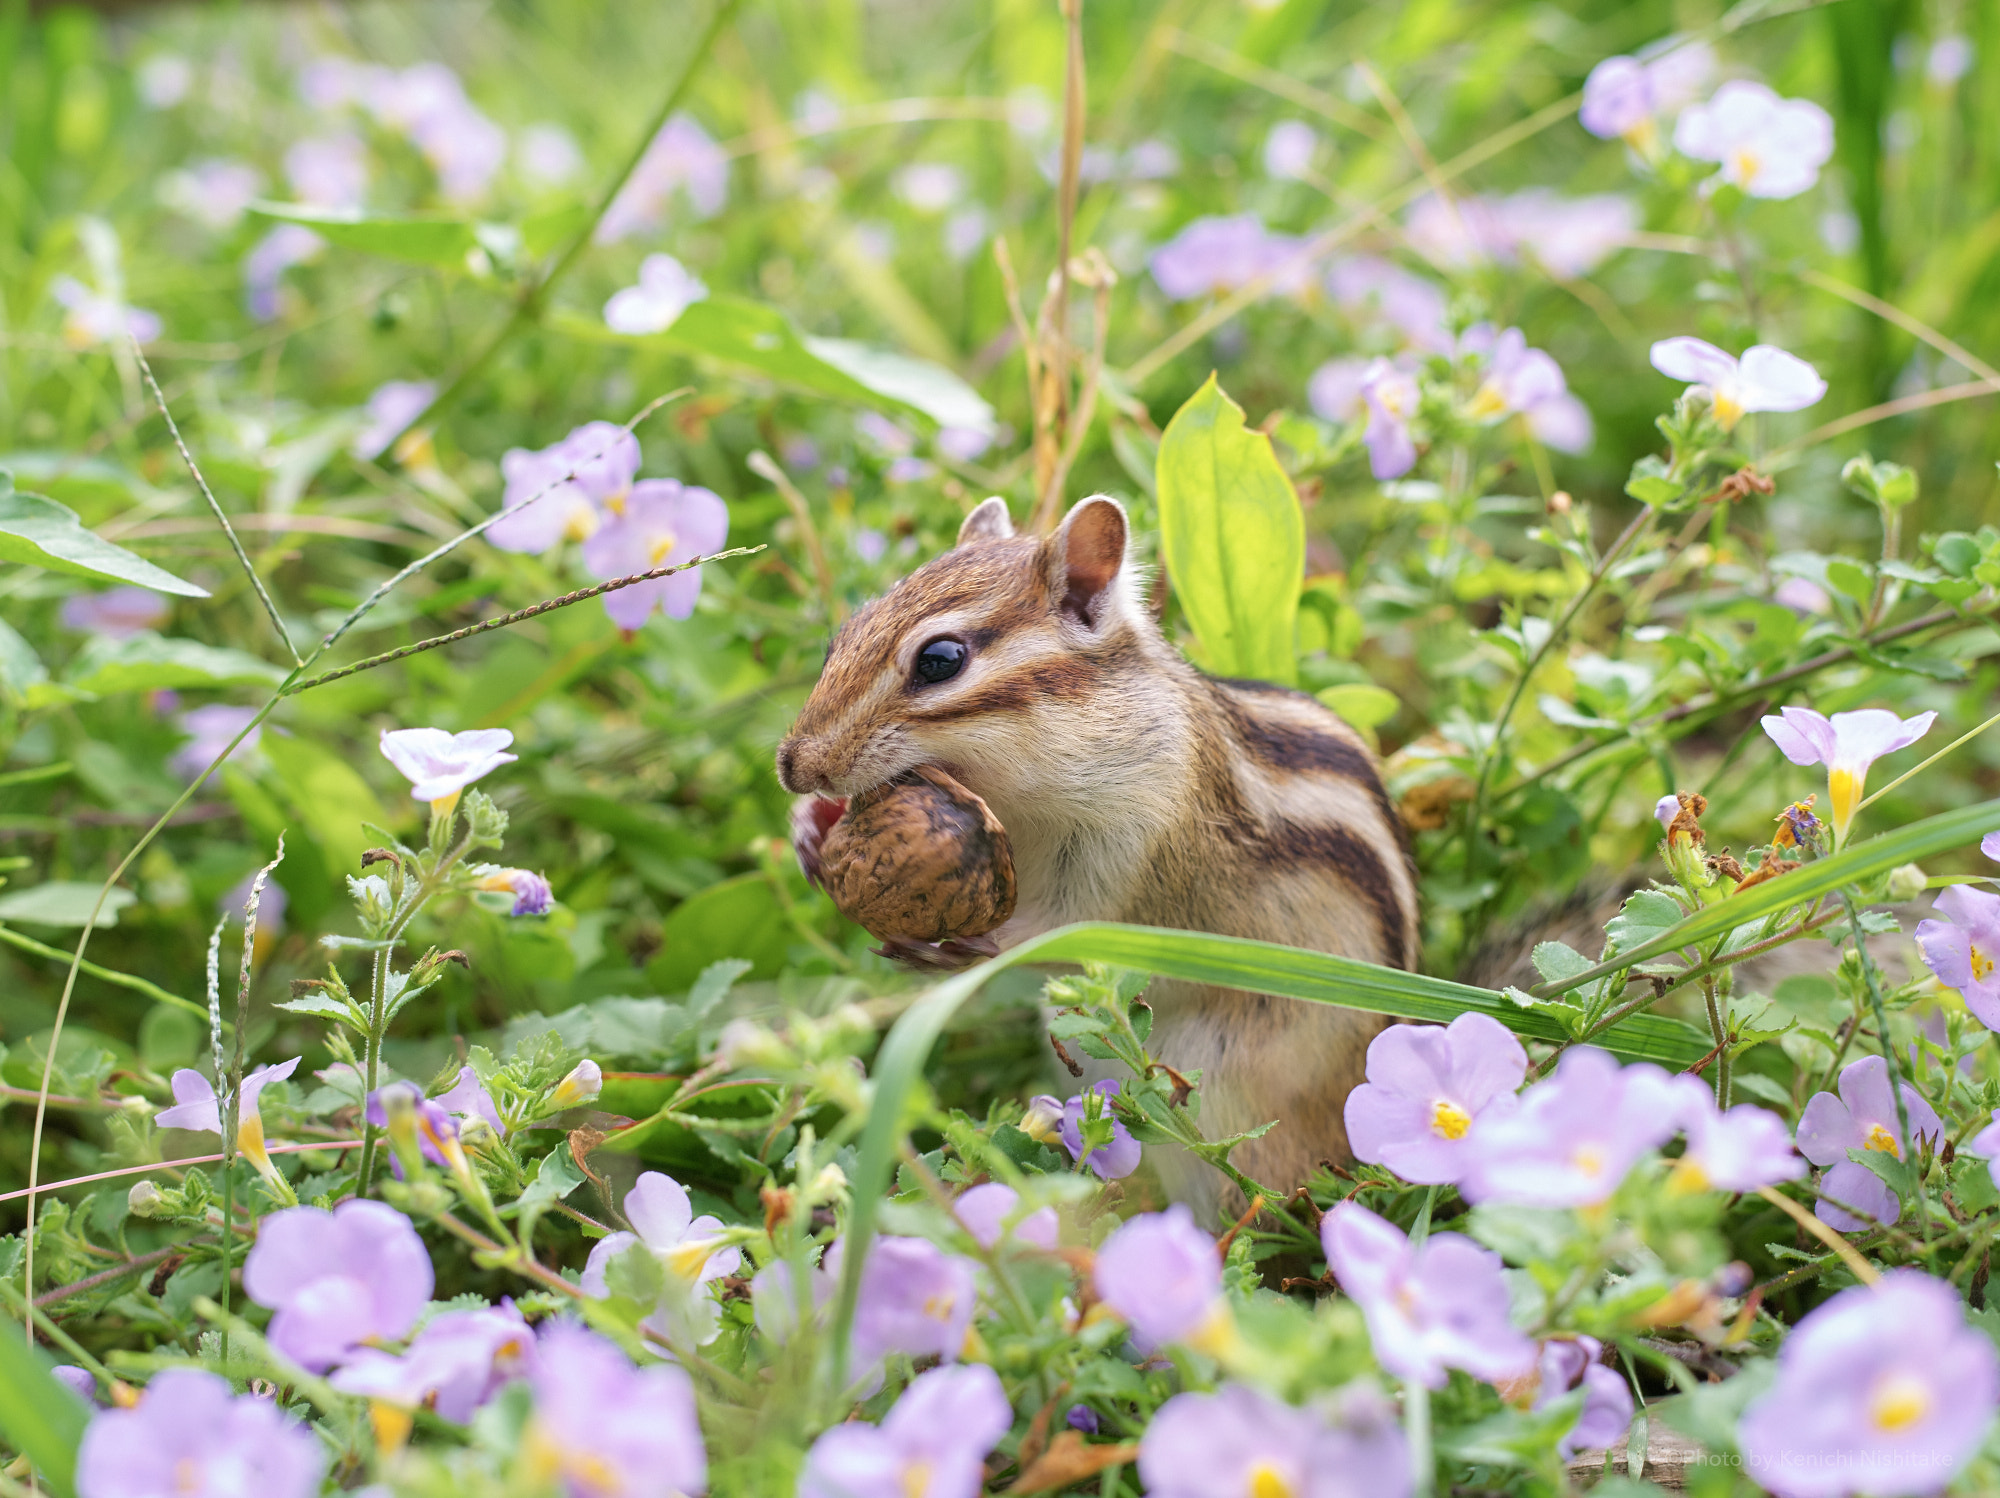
[1356, 862]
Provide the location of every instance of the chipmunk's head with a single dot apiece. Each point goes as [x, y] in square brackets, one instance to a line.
[974, 661]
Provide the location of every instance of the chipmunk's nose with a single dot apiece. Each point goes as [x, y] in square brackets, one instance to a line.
[801, 766]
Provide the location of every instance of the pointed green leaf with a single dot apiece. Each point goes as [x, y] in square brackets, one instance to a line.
[1233, 537]
[146, 662]
[39, 1417]
[38, 532]
[416, 241]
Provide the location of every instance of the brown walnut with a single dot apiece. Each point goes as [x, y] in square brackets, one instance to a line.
[920, 859]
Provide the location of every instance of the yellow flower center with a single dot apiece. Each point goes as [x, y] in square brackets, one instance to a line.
[1728, 410]
[392, 1425]
[582, 523]
[1881, 1139]
[187, 1475]
[662, 544]
[444, 806]
[1589, 1159]
[1981, 963]
[916, 1479]
[1747, 164]
[1450, 1120]
[940, 1306]
[1687, 1177]
[615, 503]
[1216, 1335]
[1266, 1481]
[688, 1259]
[1488, 402]
[1844, 788]
[1899, 1402]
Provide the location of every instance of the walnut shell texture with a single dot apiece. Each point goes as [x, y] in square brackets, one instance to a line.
[920, 859]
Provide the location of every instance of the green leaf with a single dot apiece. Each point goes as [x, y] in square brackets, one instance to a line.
[1644, 916]
[21, 670]
[1851, 579]
[1654, 491]
[1233, 537]
[327, 1007]
[740, 917]
[1362, 705]
[146, 662]
[430, 240]
[753, 336]
[556, 1176]
[38, 532]
[1556, 960]
[39, 1417]
[1853, 864]
[64, 902]
[548, 230]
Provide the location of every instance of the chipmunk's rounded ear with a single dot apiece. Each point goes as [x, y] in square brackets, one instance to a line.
[989, 521]
[1086, 556]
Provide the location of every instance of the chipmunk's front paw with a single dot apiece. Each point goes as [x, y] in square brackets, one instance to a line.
[938, 956]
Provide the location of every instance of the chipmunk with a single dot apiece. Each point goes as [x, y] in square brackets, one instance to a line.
[1133, 787]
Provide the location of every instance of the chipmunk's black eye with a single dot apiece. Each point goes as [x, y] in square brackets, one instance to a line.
[940, 660]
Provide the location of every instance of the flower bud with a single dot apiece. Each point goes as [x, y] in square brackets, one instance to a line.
[1907, 882]
[744, 1044]
[145, 1200]
[582, 1085]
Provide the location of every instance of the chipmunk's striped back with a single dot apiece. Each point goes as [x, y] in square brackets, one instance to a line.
[1133, 788]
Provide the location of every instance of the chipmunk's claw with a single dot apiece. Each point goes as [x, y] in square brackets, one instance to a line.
[943, 956]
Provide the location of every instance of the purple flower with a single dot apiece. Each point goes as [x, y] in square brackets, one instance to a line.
[1625, 96]
[929, 186]
[663, 1218]
[1666, 809]
[1568, 237]
[1382, 289]
[1607, 1398]
[1802, 596]
[196, 1108]
[1573, 1136]
[548, 155]
[909, 470]
[1961, 949]
[1241, 1442]
[561, 491]
[434, 1127]
[1213, 256]
[116, 613]
[1289, 150]
[1884, 1389]
[963, 444]
[211, 728]
[1740, 1150]
[666, 289]
[1442, 1306]
[1986, 1144]
[1863, 1117]
[1163, 1275]
[213, 192]
[1427, 1085]
[1764, 379]
[164, 81]
[663, 522]
[531, 892]
[467, 1100]
[1079, 1417]
[189, 1436]
[428, 104]
[1768, 146]
[983, 1212]
[79, 1381]
[96, 320]
[457, 1362]
[1847, 744]
[390, 410]
[1949, 60]
[932, 1444]
[1110, 1161]
[337, 1279]
[440, 765]
[285, 246]
[776, 1306]
[1528, 382]
[683, 158]
[610, 1430]
[1334, 391]
[328, 171]
[1392, 398]
[966, 233]
[915, 1298]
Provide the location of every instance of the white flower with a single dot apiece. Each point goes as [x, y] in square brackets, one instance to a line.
[441, 764]
[1764, 379]
[666, 289]
[929, 186]
[96, 320]
[1289, 149]
[686, 1247]
[1768, 146]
